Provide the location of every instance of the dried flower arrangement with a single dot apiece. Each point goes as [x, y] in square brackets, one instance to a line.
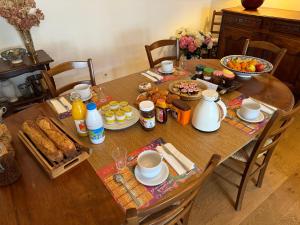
[23, 15]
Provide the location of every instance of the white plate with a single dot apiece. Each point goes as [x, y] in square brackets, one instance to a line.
[123, 125]
[259, 119]
[154, 181]
[86, 99]
[169, 72]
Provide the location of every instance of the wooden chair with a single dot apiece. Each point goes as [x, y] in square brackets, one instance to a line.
[216, 23]
[66, 66]
[255, 157]
[266, 47]
[215, 31]
[160, 44]
[175, 209]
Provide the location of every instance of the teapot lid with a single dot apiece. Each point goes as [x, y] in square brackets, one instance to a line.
[210, 95]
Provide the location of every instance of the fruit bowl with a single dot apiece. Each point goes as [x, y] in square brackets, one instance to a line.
[14, 55]
[246, 66]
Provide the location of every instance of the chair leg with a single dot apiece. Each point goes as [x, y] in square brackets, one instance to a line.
[261, 176]
[241, 192]
[185, 219]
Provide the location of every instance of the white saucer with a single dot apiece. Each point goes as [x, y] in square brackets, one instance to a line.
[159, 179]
[259, 119]
[86, 99]
[169, 72]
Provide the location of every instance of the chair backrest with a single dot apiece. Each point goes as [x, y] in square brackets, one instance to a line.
[159, 44]
[267, 47]
[176, 208]
[66, 66]
[216, 23]
[272, 134]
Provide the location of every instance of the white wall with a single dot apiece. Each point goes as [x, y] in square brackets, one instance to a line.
[282, 4]
[113, 33]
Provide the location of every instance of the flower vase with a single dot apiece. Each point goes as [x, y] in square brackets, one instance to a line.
[27, 39]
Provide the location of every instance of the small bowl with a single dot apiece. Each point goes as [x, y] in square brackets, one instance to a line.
[14, 55]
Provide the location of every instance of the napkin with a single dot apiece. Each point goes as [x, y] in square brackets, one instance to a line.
[65, 102]
[269, 109]
[59, 108]
[155, 75]
[173, 161]
[208, 84]
[148, 76]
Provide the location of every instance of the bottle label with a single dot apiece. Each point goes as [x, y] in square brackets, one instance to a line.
[97, 134]
[81, 127]
[160, 115]
[148, 122]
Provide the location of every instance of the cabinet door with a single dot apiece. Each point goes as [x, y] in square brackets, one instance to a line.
[232, 40]
[289, 69]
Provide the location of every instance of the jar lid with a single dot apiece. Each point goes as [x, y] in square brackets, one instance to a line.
[199, 67]
[218, 73]
[161, 103]
[146, 106]
[208, 70]
[210, 95]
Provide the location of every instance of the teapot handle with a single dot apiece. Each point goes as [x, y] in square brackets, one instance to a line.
[223, 107]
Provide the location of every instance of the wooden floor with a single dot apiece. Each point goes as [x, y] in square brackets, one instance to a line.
[276, 203]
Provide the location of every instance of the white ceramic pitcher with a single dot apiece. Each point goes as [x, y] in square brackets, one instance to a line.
[209, 112]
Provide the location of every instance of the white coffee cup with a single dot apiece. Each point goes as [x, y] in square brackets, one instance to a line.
[250, 110]
[167, 66]
[84, 90]
[149, 163]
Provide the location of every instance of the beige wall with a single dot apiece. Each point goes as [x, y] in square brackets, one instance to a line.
[113, 33]
[283, 4]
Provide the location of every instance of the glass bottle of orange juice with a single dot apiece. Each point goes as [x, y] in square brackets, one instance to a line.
[78, 114]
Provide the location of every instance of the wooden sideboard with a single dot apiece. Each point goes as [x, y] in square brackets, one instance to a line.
[8, 70]
[281, 27]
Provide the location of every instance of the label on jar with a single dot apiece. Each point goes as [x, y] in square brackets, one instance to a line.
[160, 115]
[97, 135]
[81, 127]
[148, 122]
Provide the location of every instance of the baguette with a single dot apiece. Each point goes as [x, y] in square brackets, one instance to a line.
[61, 141]
[42, 142]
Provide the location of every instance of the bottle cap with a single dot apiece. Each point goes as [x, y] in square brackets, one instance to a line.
[91, 106]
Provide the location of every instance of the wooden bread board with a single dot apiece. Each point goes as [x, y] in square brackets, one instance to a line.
[187, 97]
[56, 169]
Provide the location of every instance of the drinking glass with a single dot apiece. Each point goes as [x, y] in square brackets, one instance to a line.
[119, 154]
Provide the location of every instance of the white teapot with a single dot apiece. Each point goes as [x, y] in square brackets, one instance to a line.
[209, 112]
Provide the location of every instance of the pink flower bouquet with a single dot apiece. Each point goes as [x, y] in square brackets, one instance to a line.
[193, 43]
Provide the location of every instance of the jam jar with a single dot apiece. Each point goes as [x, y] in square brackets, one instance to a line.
[147, 117]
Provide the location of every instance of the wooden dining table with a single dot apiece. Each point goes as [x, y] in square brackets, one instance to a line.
[79, 196]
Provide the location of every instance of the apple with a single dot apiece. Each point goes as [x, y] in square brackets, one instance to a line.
[259, 67]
